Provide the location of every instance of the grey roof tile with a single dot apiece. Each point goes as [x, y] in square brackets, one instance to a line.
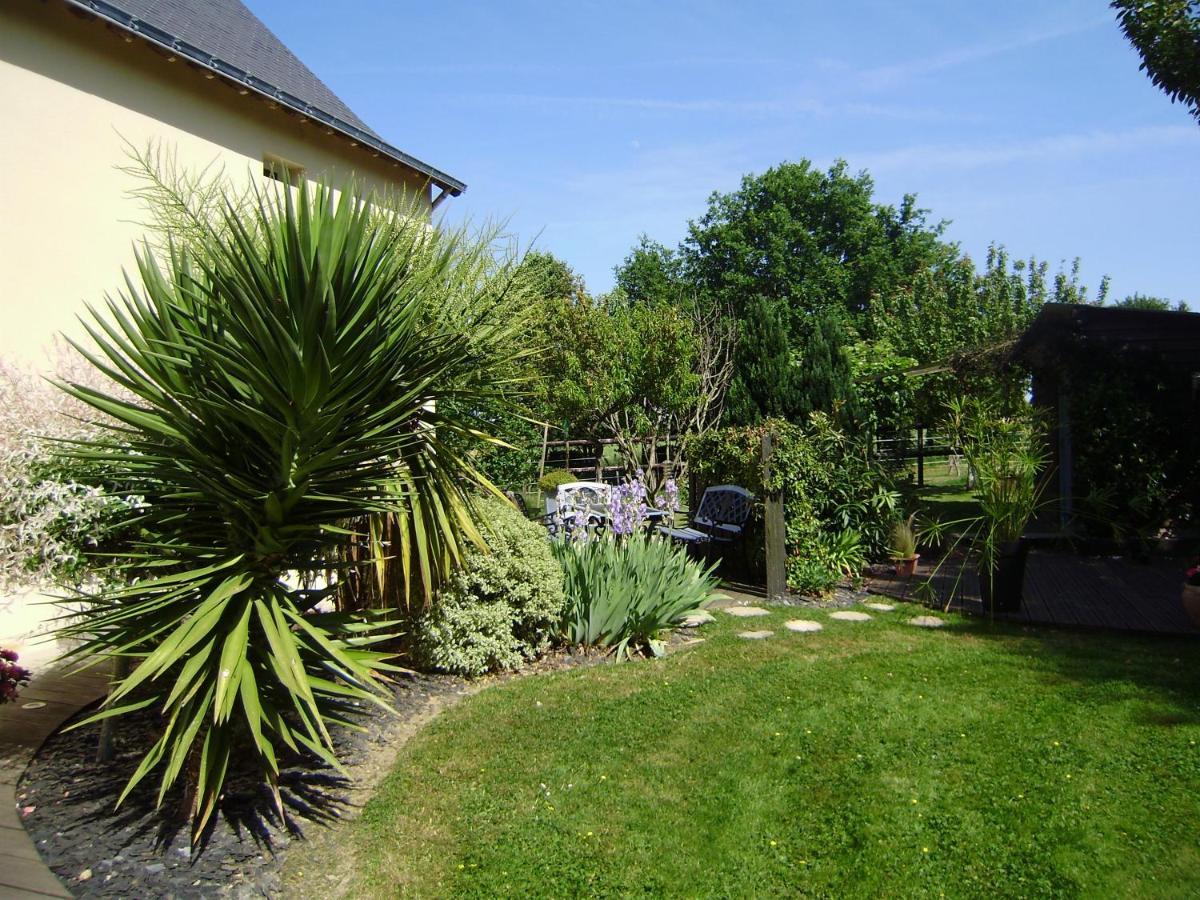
[231, 32]
[228, 36]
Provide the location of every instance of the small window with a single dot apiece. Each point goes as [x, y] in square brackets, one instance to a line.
[282, 170]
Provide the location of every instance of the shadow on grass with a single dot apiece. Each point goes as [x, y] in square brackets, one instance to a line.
[1109, 667]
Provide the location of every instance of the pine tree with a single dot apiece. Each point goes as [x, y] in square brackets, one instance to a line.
[823, 379]
[765, 381]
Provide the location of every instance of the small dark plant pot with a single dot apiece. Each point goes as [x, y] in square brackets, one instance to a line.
[1004, 590]
[1191, 602]
[906, 568]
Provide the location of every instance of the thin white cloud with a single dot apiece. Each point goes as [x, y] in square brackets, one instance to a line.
[505, 67]
[890, 75]
[661, 104]
[753, 107]
[1039, 150]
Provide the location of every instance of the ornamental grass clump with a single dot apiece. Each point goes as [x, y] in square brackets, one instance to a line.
[623, 594]
[1007, 454]
[282, 370]
[626, 586]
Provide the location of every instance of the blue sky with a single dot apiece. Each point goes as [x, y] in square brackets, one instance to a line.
[585, 124]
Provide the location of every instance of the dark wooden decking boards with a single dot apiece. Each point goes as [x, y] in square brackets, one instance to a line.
[1062, 589]
[44, 704]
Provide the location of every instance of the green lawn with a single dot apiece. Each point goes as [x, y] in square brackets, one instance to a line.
[948, 503]
[869, 759]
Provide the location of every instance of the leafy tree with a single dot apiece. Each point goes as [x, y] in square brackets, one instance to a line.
[785, 248]
[1166, 34]
[1143, 301]
[547, 277]
[288, 378]
[958, 322]
[885, 396]
[808, 240]
[652, 272]
[544, 282]
[620, 369]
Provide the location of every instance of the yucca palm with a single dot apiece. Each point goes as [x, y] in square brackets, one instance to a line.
[280, 376]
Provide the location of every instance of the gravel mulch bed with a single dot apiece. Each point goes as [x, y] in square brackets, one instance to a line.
[68, 803]
[840, 597]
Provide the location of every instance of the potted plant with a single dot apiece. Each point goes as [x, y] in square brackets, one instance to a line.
[1006, 454]
[902, 547]
[549, 484]
[1191, 594]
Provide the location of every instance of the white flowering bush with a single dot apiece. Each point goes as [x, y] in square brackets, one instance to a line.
[52, 519]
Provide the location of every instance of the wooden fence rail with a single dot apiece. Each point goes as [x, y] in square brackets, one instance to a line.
[918, 444]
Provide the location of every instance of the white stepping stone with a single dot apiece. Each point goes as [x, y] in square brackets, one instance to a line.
[926, 622]
[802, 625]
[880, 607]
[849, 615]
[698, 618]
[746, 612]
[756, 635]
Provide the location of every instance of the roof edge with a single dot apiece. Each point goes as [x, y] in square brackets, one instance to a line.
[245, 80]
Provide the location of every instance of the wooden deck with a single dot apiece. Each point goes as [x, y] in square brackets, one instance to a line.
[1063, 589]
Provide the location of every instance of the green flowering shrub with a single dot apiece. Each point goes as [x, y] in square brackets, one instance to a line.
[59, 518]
[502, 607]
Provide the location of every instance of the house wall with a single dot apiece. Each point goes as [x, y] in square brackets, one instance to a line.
[73, 92]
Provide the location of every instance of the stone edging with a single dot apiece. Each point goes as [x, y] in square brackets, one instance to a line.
[43, 705]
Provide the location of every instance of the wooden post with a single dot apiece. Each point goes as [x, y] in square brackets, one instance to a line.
[545, 447]
[1065, 453]
[775, 529]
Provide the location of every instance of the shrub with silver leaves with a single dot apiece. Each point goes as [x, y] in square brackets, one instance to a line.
[501, 608]
[50, 518]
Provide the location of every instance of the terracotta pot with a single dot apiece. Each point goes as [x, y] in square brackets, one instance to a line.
[905, 568]
[1191, 602]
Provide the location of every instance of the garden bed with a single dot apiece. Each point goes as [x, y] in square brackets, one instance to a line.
[140, 851]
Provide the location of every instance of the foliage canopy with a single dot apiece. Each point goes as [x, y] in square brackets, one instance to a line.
[1166, 34]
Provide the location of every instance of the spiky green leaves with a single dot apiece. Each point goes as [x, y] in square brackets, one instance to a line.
[622, 593]
[283, 372]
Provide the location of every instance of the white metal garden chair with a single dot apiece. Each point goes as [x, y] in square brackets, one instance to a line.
[589, 497]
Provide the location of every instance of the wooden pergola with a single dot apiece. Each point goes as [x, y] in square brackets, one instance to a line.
[1062, 332]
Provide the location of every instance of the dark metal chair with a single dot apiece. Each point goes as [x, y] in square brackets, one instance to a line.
[720, 519]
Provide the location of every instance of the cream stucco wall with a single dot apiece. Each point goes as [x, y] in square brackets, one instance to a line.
[72, 93]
